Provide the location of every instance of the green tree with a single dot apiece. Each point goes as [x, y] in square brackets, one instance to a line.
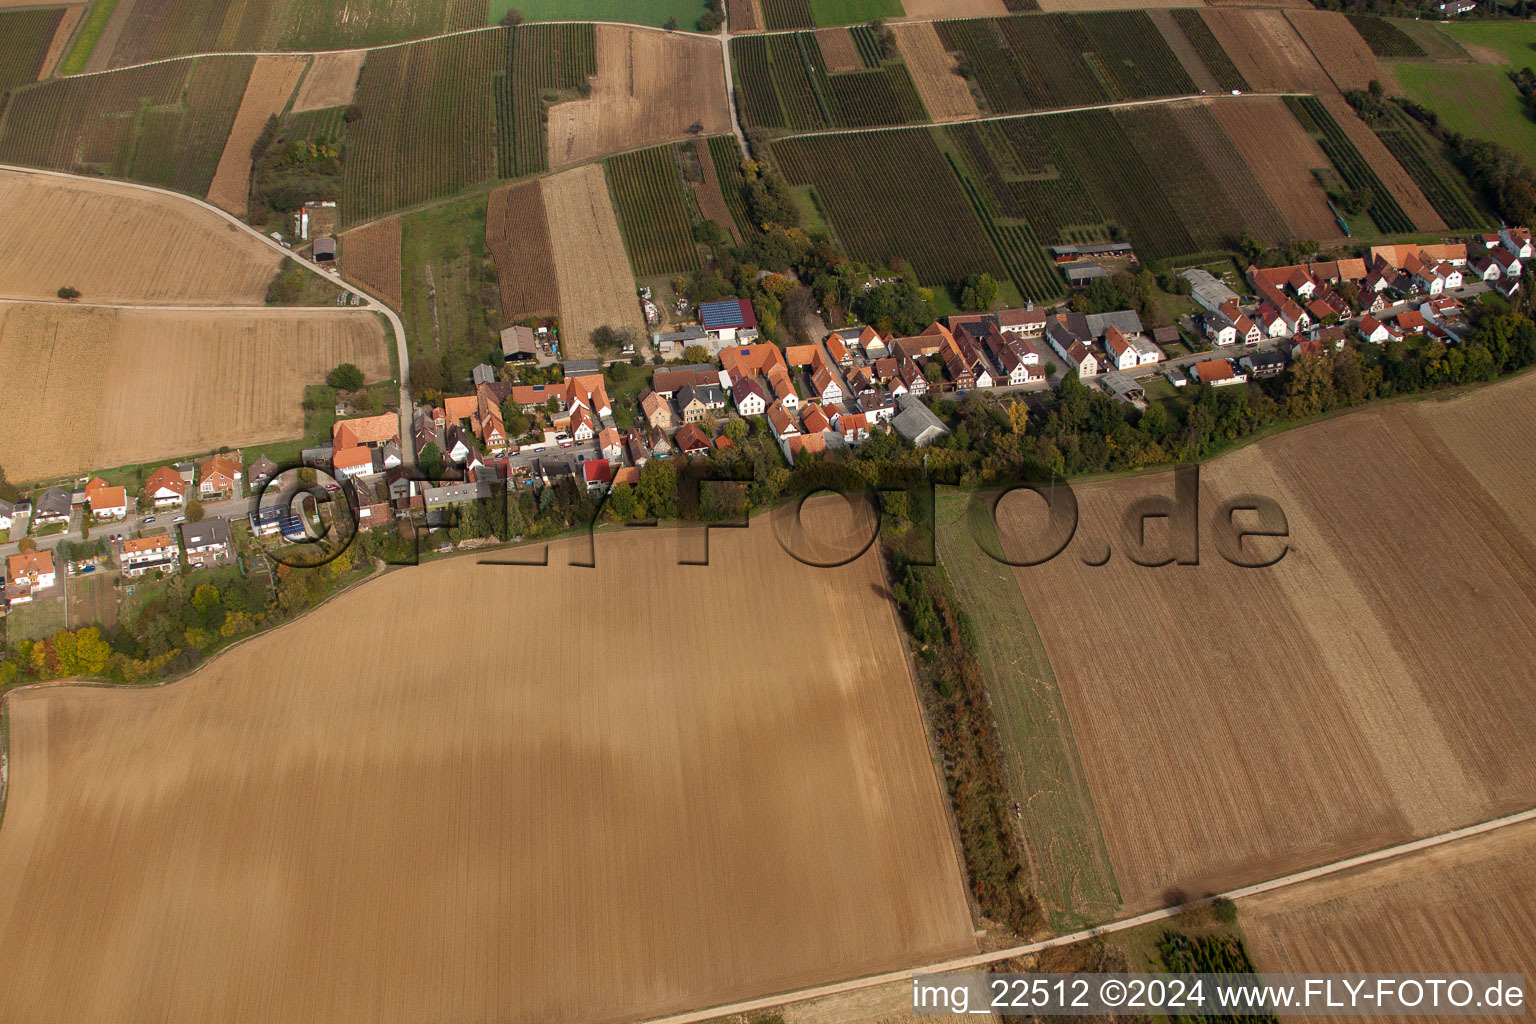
[195, 511]
[657, 490]
[346, 377]
[431, 459]
[978, 293]
[69, 293]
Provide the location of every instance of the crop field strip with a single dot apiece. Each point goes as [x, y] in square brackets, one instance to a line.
[1046, 61]
[1209, 48]
[725, 154]
[517, 237]
[1384, 211]
[540, 59]
[655, 214]
[784, 14]
[1423, 157]
[885, 192]
[24, 39]
[164, 125]
[785, 85]
[427, 128]
[1384, 38]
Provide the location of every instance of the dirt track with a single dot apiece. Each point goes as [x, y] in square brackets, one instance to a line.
[331, 825]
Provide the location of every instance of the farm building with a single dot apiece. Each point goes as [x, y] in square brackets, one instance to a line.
[1207, 289]
[1121, 386]
[518, 344]
[1069, 253]
[916, 422]
[324, 250]
[1081, 273]
[729, 319]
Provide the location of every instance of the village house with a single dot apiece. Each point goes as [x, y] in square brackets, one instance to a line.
[165, 487]
[635, 447]
[657, 410]
[52, 507]
[802, 444]
[1518, 241]
[367, 431]
[669, 380]
[744, 362]
[911, 373]
[824, 381]
[1216, 372]
[353, 462]
[852, 426]
[611, 446]
[139, 555]
[207, 543]
[1219, 329]
[782, 421]
[1262, 364]
[691, 440]
[581, 425]
[783, 387]
[1014, 357]
[1028, 321]
[689, 405]
[749, 398]
[1071, 348]
[7, 515]
[31, 569]
[597, 474]
[106, 502]
[1373, 330]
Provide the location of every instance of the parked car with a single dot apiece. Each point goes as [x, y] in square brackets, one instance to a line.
[147, 519]
[179, 519]
[564, 440]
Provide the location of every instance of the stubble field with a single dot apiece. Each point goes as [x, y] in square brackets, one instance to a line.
[120, 244]
[1193, 690]
[266, 93]
[592, 272]
[944, 93]
[1340, 50]
[86, 388]
[650, 88]
[331, 82]
[1470, 903]
[1267, 50]
[388, 831]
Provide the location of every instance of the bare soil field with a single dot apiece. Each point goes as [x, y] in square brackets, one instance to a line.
[1267, 50]
[331, 82]
[944, 93]
[837, 50]
[407, 832]
[1398, 181]
[592, 272]
[651, 87]
[370, 258]
[517, 237]
[266, 93]
[1281, 156]
[1341, 51]
[1471, 903]
[119, 244]
[1226, 163]
[1383, 725]
[744, 16]
[932, 10]
[1508, 412]
[61, 34]
[86, 387]
[1183, 49]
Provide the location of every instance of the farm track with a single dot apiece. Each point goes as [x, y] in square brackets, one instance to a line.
[1151, 917]
[370, 301]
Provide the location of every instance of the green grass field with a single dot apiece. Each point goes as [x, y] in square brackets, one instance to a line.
[637, 12]
[449, 282]
[853, 12]
[34, 620]
[1070, 864]
[1474, 99]
[1516, 40]
[87, 37]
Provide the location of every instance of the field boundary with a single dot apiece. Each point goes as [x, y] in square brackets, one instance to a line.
[1125, 924]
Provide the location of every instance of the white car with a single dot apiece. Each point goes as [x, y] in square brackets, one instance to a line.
[147, 519]
[179, 519]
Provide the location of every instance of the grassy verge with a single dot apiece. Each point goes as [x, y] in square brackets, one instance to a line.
[90, 34]
[1073, 877]
[449, 284]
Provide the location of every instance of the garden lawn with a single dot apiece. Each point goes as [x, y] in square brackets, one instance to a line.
[1475, 100]
[853, 12]
[636, 12]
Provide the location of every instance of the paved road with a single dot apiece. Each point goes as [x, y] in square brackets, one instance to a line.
[982, 960]
[369, 301]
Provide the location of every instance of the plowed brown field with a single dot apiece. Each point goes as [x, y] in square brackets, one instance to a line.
[1340, 50]
[120, 244]
[650, 88]
[266, 93]
[1267, 50]
[1236, 724]
[388, 831]
[1471, 903]
[744, 16]
[517, 235]
[86, 388]
[707, 192]
[370, 259]
[1398, 181]
[944, 93]
[592, 272]
[837, 50]
[331, 82]
[1281, 156]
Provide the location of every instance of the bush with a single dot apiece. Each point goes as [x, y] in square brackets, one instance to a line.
[194, 511]
[346, 377]
[512, 18]
[69, 293]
